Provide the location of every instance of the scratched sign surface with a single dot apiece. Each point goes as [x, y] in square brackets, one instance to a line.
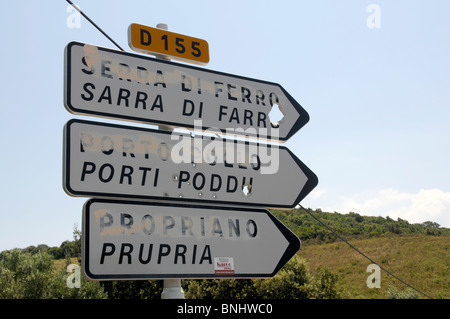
[114, 84]
[130, 240]
[107, 160]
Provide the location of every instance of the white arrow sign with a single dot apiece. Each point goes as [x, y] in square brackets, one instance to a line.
[129, 240]
[114, 84]
[107, 160]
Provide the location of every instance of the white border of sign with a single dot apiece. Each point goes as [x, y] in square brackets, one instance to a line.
[92, 108]
[293, 244]
[309, 183]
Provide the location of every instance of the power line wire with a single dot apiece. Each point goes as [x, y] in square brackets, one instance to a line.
[360, 252]
[92, 22]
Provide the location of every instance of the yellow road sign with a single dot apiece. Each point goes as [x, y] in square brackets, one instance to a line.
[157, 41]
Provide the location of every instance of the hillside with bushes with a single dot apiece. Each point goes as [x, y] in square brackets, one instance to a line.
[325, 266]
[350, 225]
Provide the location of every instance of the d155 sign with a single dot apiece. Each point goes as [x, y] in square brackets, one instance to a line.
[157, 41]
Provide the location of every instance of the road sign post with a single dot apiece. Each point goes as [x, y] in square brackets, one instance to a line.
[171, 287]
[130, 240]
[180, 231]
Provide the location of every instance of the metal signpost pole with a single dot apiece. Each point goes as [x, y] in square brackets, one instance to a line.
[172, 287]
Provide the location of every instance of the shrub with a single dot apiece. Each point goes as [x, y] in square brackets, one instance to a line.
[26, 276]
[394, 293]
[293, 281]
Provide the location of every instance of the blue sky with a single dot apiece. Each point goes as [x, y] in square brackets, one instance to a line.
[378, 98]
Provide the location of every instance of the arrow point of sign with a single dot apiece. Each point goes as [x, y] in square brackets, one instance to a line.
[302, 119]
[311, 182]
[293, 247]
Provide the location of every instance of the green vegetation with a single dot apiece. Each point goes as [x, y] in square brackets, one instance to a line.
[325, 267]
[23, 275]
[351, 225]
[294, 281]
[423, 261]
[417, 253]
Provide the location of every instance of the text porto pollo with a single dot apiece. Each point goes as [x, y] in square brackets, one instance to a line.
[144, 228]
[244, 106]
[143, 161]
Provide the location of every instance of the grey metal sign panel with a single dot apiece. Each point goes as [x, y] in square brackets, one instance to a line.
[115, 84]
[131, 240]
[107, 160]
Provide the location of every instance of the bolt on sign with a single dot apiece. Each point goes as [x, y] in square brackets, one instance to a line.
[108, 160]
[114, 84]
[156, 41]
[131, 240]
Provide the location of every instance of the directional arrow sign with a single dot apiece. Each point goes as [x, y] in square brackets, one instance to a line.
[114, 84]
[107, 160]
[129, 240]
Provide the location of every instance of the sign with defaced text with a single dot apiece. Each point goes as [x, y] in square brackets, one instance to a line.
[115, 84]
[131, 240]
[108, 160]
